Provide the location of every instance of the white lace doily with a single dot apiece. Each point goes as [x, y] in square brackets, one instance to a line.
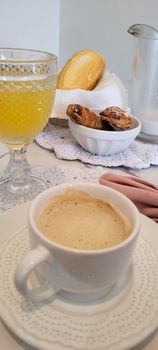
[60, 174]
[116, 322]
[56, 175]
[138, 155]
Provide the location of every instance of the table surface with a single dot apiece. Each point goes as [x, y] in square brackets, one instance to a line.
[40, 157]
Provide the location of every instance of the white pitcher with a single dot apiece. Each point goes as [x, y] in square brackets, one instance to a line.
[144, 82]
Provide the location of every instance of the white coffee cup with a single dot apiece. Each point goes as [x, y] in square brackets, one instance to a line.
[69, 269]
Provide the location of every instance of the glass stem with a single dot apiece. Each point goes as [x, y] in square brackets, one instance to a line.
[18, 167]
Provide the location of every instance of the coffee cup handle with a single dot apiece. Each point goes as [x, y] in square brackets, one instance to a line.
[23, 271]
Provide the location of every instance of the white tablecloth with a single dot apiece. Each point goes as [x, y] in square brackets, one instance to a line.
[39, 156]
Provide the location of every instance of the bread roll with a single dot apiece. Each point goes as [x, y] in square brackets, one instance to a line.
[82, 71]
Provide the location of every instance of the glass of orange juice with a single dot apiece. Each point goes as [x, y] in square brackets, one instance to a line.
[27, 92]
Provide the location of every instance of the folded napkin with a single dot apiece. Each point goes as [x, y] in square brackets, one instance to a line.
[143, 194]
[108, 92]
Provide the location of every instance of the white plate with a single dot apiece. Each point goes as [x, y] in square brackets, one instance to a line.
[119, 321]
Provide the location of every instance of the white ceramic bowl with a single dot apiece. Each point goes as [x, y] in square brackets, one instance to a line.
[103, 142]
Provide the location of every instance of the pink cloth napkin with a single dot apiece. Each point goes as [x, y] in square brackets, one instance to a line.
[143, 194]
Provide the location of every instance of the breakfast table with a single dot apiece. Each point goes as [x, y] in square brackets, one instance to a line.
[15, 218]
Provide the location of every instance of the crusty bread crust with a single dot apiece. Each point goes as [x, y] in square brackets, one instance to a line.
[82, 71]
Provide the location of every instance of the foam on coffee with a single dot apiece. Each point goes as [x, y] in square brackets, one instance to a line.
[77, 220]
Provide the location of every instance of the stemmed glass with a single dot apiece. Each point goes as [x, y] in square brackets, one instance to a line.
[27, 91]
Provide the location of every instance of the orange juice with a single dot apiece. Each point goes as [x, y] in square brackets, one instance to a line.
[25, 107]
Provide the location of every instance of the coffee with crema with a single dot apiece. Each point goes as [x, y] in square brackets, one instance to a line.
[77, 220]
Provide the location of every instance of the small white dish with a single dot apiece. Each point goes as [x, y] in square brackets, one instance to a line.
[104, 142]
[117, 322]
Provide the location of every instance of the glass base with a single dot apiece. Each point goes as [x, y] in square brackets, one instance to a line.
[12, 195]
[148, 138]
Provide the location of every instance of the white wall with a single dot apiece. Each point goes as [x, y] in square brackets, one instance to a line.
[102, 25]
[96, 24]
[30, 24]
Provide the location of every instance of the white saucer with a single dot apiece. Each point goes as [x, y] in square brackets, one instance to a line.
[117, 322]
